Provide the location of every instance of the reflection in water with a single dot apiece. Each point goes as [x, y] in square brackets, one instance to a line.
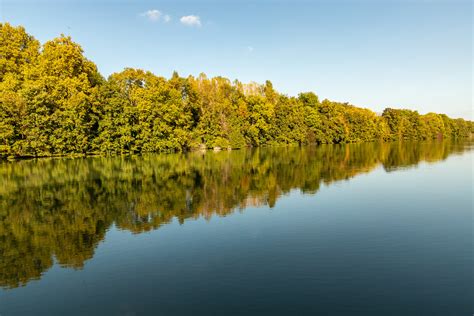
[62, 208]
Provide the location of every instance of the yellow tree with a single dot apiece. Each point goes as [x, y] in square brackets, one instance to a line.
[18, 50]
[60, 89]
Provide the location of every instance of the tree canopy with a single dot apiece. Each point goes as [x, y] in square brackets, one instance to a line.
[53, 101]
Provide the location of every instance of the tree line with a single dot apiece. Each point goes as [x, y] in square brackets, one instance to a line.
[53, 101]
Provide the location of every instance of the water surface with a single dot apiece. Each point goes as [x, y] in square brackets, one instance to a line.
[364, 229]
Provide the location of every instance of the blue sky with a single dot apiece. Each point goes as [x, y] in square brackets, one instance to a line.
[373, 54]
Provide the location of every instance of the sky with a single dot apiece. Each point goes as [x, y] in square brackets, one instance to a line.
[373, 54]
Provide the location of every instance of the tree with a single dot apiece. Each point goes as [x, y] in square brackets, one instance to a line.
[59, 90]
[17, 51]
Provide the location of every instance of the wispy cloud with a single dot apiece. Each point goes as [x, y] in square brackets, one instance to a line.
[166, 18]
[191, 20]
[152, 15]
[248, 50]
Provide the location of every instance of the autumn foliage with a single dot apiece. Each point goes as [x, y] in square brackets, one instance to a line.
[53, 101]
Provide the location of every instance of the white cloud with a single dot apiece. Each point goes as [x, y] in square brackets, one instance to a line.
[191, 20]
[166, 18]
[152, 15]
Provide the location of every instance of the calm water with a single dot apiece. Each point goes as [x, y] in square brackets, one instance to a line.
[369, 229]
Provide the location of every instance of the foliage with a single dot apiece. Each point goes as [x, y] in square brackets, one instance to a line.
[53, 101]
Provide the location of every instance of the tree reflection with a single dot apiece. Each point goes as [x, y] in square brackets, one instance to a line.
[58, 210]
